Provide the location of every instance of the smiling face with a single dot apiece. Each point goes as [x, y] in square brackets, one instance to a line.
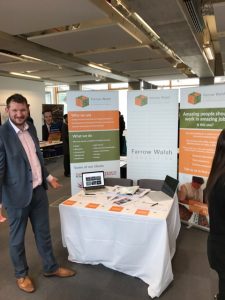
[18, 113]
[48, 117]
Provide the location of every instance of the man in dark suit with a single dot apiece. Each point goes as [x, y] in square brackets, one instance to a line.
[50, 128]
[23, 184]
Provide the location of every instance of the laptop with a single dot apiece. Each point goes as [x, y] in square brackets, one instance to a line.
[168, 190]
[93, 181]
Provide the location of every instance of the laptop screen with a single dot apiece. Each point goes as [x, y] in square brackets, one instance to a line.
[93, 180]
[169, 186]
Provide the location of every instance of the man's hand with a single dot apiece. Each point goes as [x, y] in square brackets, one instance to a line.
[54, 183]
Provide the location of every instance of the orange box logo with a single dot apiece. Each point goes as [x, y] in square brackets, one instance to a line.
[194, 98]
[82, 101]
[141, 100]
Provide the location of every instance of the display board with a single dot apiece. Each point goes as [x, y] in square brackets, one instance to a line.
[93, 134]
[152, 135]
[202, 116]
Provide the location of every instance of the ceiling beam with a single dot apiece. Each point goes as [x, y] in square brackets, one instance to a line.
[21, 46]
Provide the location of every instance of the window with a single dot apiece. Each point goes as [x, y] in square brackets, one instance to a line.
[48, 98]
[61, 99]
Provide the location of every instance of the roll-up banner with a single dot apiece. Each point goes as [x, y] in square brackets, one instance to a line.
[93, 134]
[202, 116]
[152, 135]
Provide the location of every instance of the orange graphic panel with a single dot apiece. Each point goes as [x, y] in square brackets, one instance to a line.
[69, 202]
[196, 151]
[93, 120]
[143, 212]
[116, 208]
[92, 205]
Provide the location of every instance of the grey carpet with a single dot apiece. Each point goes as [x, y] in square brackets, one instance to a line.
[193, 279]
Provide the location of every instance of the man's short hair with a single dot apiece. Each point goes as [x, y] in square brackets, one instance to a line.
[197, 179]
[47, 110]
[18, 98]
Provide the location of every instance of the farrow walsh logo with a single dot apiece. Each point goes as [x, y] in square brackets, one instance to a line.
[82, 101]
[141, 100]
[194, 98]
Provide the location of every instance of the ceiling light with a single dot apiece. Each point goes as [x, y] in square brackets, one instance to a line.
[131, 33]
[208, 52]
[99, 67]
[146, 25]
[11, 56]
[31, 57]
[25, 75]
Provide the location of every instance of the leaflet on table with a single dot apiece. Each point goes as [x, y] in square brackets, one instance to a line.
[130, 194]
[127, 190]
[119, 200]
[141, 193]
[123, 199]
[158, 209]
[122, 204]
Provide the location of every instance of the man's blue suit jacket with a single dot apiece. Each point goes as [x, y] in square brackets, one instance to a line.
[15, 171]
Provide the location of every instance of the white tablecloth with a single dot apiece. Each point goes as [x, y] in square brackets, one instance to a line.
[137, 245]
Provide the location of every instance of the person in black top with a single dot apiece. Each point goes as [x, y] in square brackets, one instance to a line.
[66, 150]
[29, 119]
[121, 129]
[215, 197]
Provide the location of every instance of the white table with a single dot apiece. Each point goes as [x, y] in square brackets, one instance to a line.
[46, 144]
[135, 244]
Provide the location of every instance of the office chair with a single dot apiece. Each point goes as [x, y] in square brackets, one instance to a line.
[110, 181]
[153, 184]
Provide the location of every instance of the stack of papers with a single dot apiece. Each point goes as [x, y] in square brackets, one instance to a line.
[127, 190]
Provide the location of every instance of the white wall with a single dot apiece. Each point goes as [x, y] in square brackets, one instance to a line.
[34, 92]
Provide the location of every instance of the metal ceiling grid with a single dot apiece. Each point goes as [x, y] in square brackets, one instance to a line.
[107, 36]
[103, 38]
[219, 11]
[74, 79]
[153, 72]
[28, 16]
[120, 55]
[4, 59]
[26, 66]
[141, 65]
[178, 37]
[60, 73]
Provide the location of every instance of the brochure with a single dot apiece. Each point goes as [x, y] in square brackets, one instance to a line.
[128, 190]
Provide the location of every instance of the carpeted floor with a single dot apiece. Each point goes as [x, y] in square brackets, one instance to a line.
[193, 279]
